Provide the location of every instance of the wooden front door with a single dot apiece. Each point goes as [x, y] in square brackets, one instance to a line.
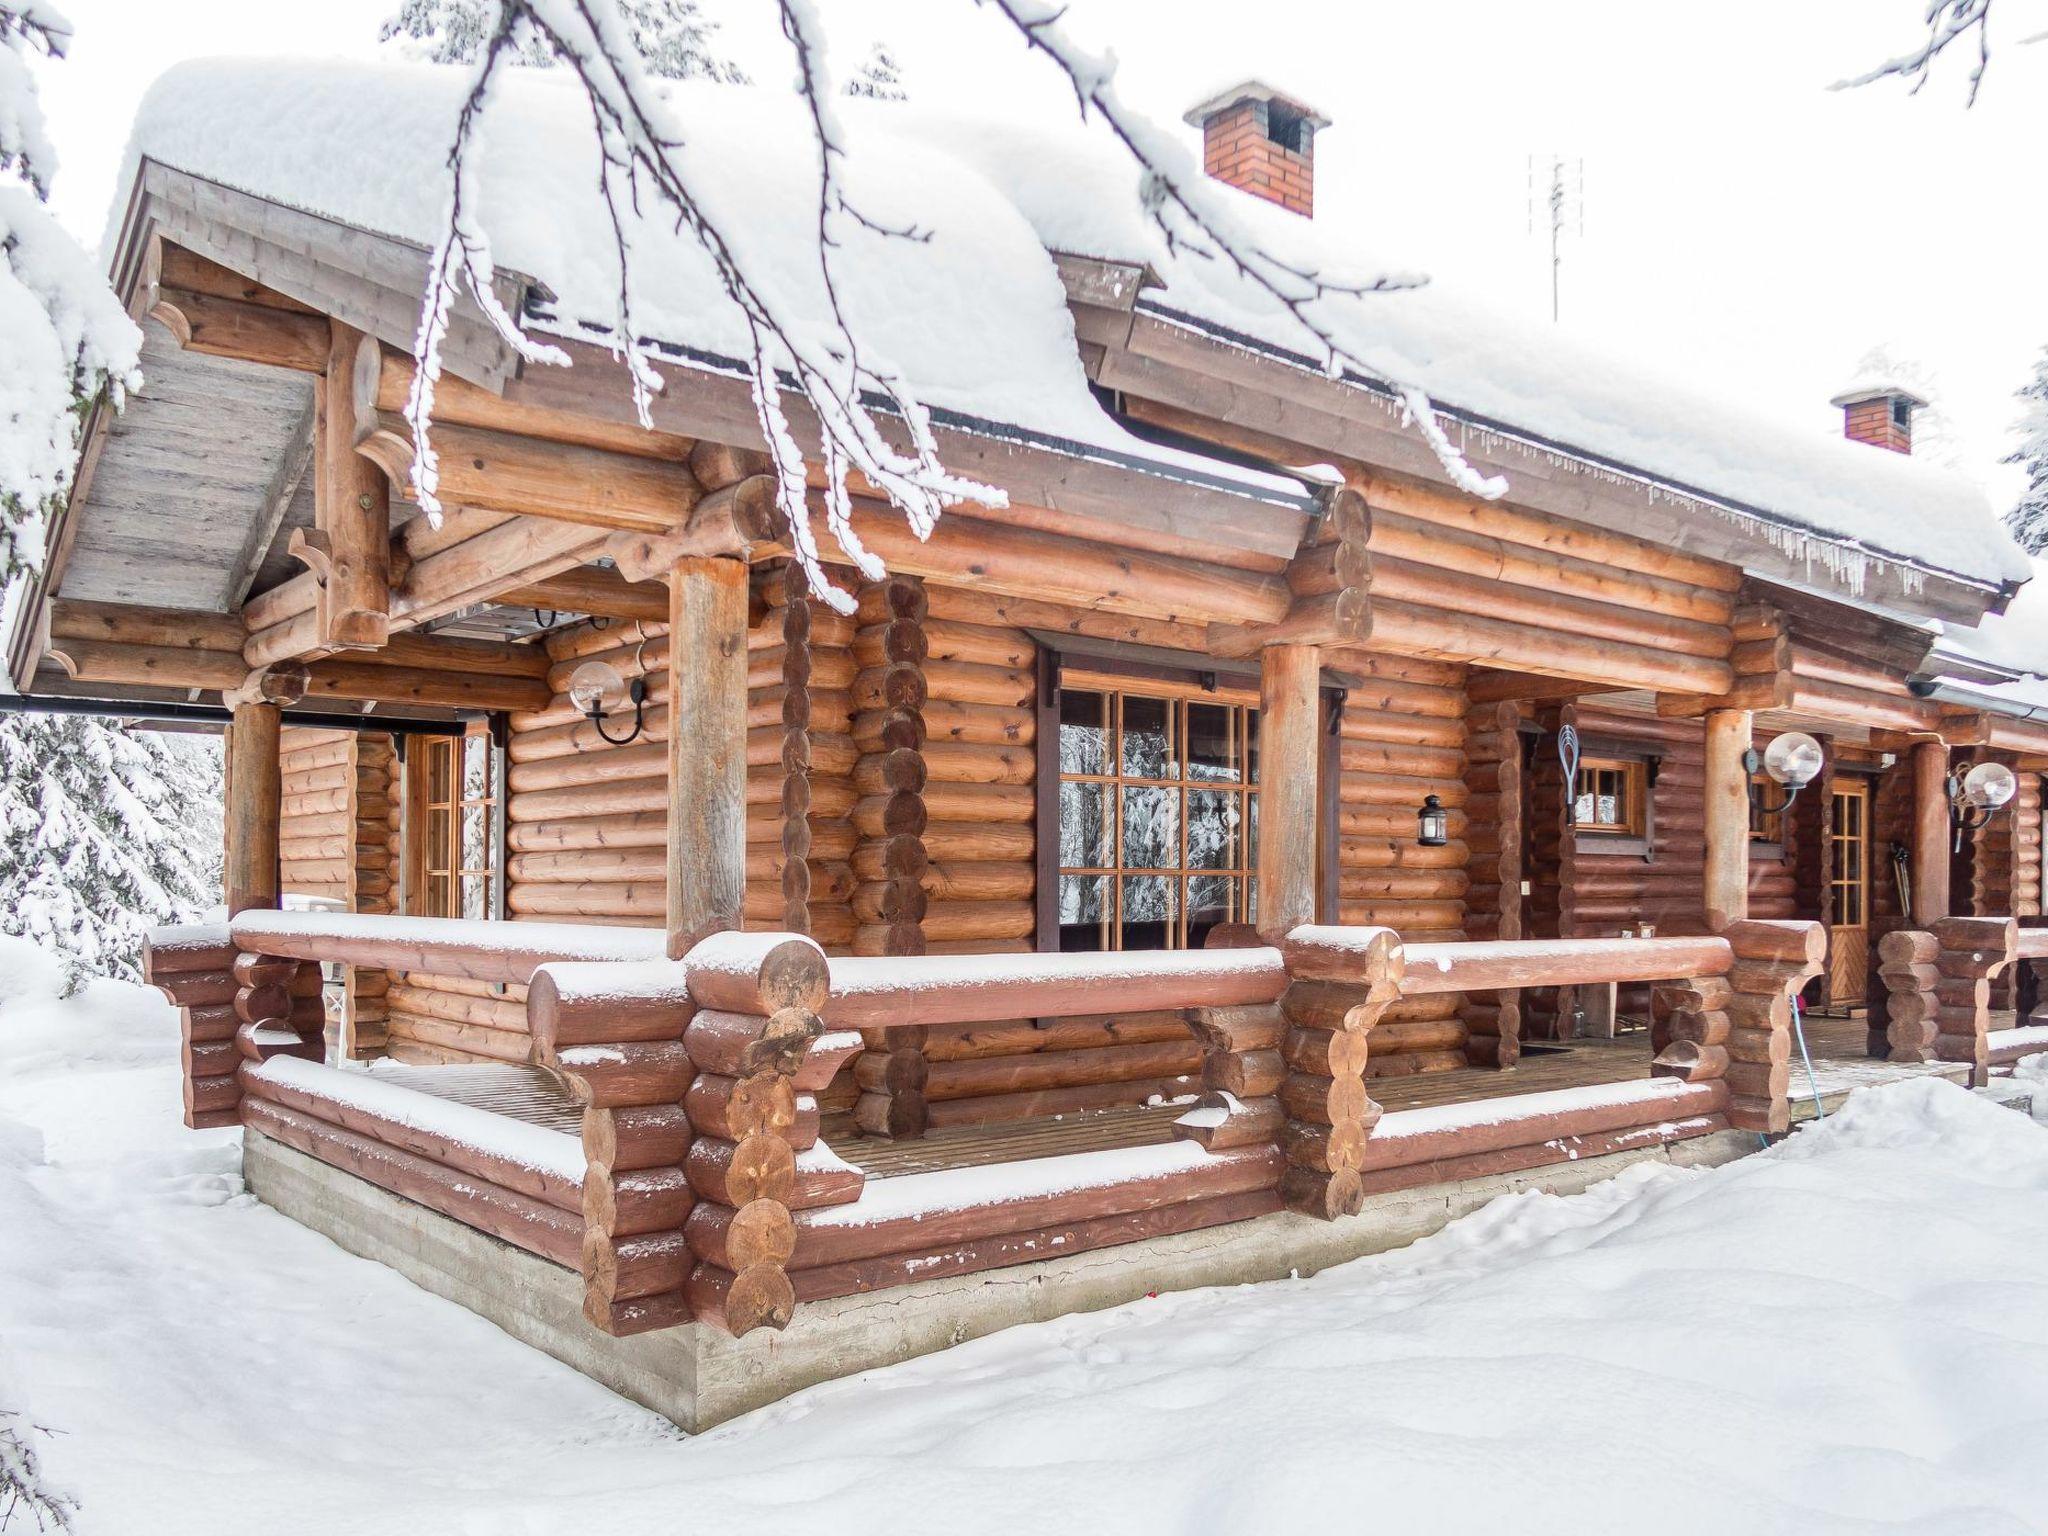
[1849, 888]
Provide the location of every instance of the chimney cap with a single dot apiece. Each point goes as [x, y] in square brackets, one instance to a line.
[1857, 394]
[1253, 90]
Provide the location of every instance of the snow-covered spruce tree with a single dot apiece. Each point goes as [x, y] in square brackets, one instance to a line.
[2029, 520]
[869, 422]
[880, 77]
[104, 832]
[672, 37]
[63, 335]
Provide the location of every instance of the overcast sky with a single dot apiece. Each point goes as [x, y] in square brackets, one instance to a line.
[1743, 226]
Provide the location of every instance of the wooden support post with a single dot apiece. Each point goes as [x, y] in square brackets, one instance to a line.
[1323, 1095]
[1930, 833]
[1727, 818]
[1940, 989]
[1773, 960]
[1290, 752]
[707, 749]
[619, 1048]
[749, 1122]
[352, 514]
[255, 801]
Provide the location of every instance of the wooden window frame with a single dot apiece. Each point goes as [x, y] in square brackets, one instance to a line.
[1864, 886]
[418, 863]
[1635, 796]
[1233, 685]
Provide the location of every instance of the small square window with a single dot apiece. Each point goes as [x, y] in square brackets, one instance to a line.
[1610, 797]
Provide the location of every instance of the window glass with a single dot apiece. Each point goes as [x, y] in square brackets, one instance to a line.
[1158, 809]
[455, 820]
[1609, 797]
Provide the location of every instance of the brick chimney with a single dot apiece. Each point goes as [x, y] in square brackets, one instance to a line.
[1262, 142]
[1879, 414]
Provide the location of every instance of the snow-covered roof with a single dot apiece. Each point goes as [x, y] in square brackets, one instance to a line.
[974, 318]
[2015, 641]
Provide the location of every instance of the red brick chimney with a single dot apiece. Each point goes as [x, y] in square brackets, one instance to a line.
[1262, 142]
[1879, 414]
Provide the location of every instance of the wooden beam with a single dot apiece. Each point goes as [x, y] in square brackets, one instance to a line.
[170, 265]
[707, 749]
[596, 591]
[739, 519]
[352, 513]
[383, 383]
[1489, 686]
[1762, 691]
[1930, 833]
[96, 661]
[249, 333]
[1290, 749]
[131, 624]
[255, 799]
[1726, 877]
[1342, 618]
[512, 473]
[298, 458]
[429, 687]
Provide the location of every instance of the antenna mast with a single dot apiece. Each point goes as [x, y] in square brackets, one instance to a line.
[1564, 208]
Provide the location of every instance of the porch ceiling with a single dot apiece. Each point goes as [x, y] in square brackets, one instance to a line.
[181, 507]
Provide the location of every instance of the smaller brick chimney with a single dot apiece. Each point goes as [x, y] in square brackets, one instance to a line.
[1879, 414]
[1261, 142]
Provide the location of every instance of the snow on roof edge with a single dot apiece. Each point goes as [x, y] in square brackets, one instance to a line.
[1727, 506]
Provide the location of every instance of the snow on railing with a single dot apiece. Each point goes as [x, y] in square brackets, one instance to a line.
[1511, 963]
[911, 990]
[441, 946]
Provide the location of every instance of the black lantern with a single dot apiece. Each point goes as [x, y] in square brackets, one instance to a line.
[596, 686]
[1432, 823]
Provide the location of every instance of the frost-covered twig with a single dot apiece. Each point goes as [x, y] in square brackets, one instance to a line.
[1189, 214]
[1948, 22]
[639, 142]
[22, 1487]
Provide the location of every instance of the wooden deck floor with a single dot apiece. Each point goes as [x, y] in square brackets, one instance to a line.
[1839, 1046]
[519, 1093]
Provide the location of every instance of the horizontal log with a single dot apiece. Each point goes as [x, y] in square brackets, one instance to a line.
[838, 1236]
[505, 1214]
[904, 990]
[884, 1272]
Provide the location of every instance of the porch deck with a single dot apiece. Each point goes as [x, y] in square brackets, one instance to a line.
[1838, 1046]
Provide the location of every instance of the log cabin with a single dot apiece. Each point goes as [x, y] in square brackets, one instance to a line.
[1244, 829]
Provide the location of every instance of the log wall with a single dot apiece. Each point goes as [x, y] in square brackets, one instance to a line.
[1403, 738]
[338, 841]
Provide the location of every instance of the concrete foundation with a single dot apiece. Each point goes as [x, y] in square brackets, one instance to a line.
[699, 1377]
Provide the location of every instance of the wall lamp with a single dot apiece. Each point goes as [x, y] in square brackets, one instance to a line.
[1432, 823]
[1976, 794]
[1793, 759]
[596, 687]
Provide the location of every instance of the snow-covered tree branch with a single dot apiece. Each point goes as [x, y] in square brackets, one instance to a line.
[868, 422]
[63, 336]
[1949, 22]
[2029, 519]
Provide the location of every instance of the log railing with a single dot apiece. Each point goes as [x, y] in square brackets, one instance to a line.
[701, 1190]
[1940, 980]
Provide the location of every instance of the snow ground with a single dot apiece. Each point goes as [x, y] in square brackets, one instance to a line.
[1845, 1335]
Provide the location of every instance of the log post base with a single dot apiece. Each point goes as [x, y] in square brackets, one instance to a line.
[1328, 1112]
[1773, 960]
[1940, 983]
